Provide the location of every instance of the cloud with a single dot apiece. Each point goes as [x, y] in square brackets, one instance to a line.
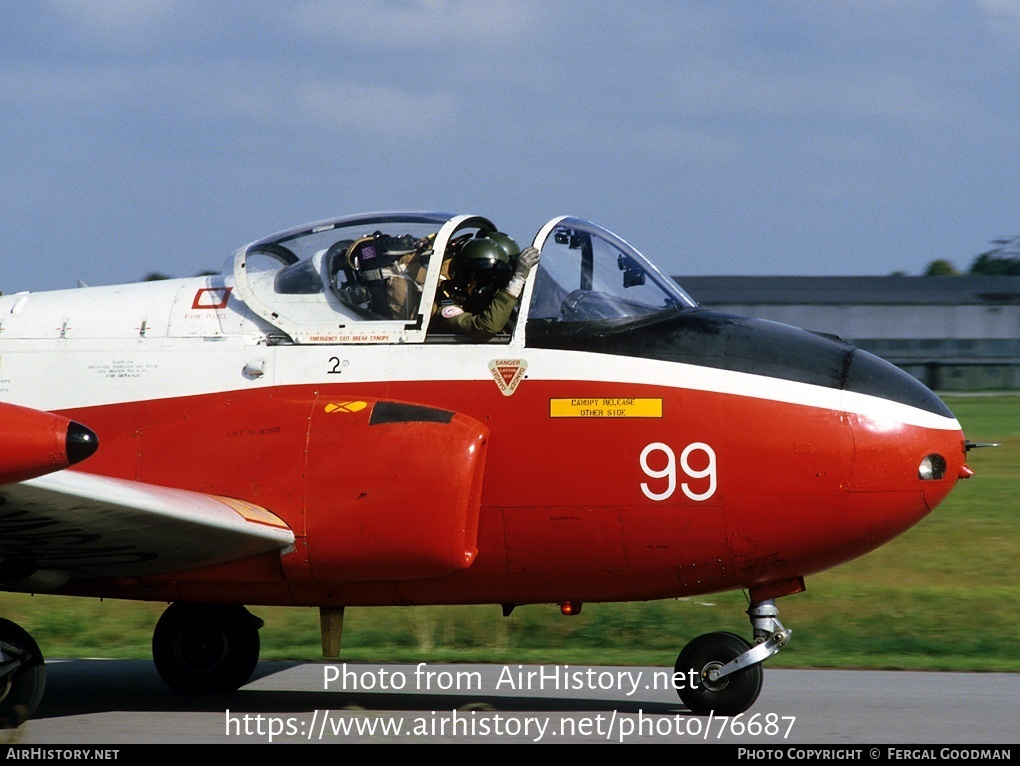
[370, 108]
[228, 91]
[421, 25]
[716, 88]
[1003, 17]
[114, 20]
[322, 105]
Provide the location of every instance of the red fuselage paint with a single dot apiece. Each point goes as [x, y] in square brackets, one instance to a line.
[798, 489]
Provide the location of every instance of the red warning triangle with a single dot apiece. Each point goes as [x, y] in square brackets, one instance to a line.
[507, 373]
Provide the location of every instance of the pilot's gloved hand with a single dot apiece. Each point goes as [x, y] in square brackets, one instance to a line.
[526, 261]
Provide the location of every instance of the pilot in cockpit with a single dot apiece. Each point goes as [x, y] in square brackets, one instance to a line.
[483, 287]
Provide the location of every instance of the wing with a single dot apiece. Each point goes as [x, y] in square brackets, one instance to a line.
[71, 525]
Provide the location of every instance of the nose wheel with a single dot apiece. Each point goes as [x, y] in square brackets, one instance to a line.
[721, 673]
[697, 666]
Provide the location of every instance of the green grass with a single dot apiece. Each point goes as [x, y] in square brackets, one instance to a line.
[944, 596]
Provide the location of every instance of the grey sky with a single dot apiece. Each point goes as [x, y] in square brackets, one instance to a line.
[752, 137]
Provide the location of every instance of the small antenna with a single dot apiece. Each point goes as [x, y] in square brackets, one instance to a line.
[969, 445]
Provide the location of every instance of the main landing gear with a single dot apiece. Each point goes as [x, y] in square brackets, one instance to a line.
[206, 648]
[196, 647]
[721, 673]
[22, 675]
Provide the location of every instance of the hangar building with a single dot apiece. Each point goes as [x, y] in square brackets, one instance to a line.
[958, 333]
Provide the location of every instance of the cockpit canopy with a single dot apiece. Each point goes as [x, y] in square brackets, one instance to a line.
[588, 276]
[374, 278]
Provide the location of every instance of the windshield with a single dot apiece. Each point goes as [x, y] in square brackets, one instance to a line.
[588, 274]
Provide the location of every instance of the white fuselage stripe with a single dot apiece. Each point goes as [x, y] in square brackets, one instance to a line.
[112, 372]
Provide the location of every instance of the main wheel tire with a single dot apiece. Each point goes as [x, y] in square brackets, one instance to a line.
[729, 696]
[206, 649]
[22, 690]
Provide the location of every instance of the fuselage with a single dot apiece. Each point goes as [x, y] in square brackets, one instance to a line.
[607, 476]
[685, 453]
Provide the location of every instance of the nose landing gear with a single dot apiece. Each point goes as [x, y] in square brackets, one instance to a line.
[721, 673]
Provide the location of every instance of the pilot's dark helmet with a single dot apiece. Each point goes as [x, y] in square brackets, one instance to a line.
[506, 243]
[482, 268]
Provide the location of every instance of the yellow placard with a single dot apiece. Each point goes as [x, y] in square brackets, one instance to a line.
[345, 406]
[605, 407]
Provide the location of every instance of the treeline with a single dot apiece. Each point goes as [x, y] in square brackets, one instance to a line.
[1002, 261]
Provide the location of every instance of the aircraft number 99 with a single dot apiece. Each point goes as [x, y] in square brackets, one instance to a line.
[668, 471]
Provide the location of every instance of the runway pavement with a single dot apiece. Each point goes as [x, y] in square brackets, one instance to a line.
[110, 702]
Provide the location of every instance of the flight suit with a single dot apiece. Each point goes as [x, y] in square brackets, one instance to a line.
[449, 317]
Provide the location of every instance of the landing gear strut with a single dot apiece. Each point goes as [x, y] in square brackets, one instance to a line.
[206, 648]
[721, 673]
[22, 675]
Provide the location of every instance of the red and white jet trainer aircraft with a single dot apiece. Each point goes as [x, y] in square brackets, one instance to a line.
[291, 433]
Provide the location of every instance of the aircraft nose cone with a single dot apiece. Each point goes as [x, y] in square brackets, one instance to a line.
[907, 442]
[82, 442]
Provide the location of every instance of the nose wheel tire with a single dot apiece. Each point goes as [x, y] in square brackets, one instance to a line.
[21, 690]
[206, 649]
[728, 696]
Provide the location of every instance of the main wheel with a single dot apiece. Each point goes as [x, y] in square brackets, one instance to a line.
[731, 695]
[207, 649]
[21, 690]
